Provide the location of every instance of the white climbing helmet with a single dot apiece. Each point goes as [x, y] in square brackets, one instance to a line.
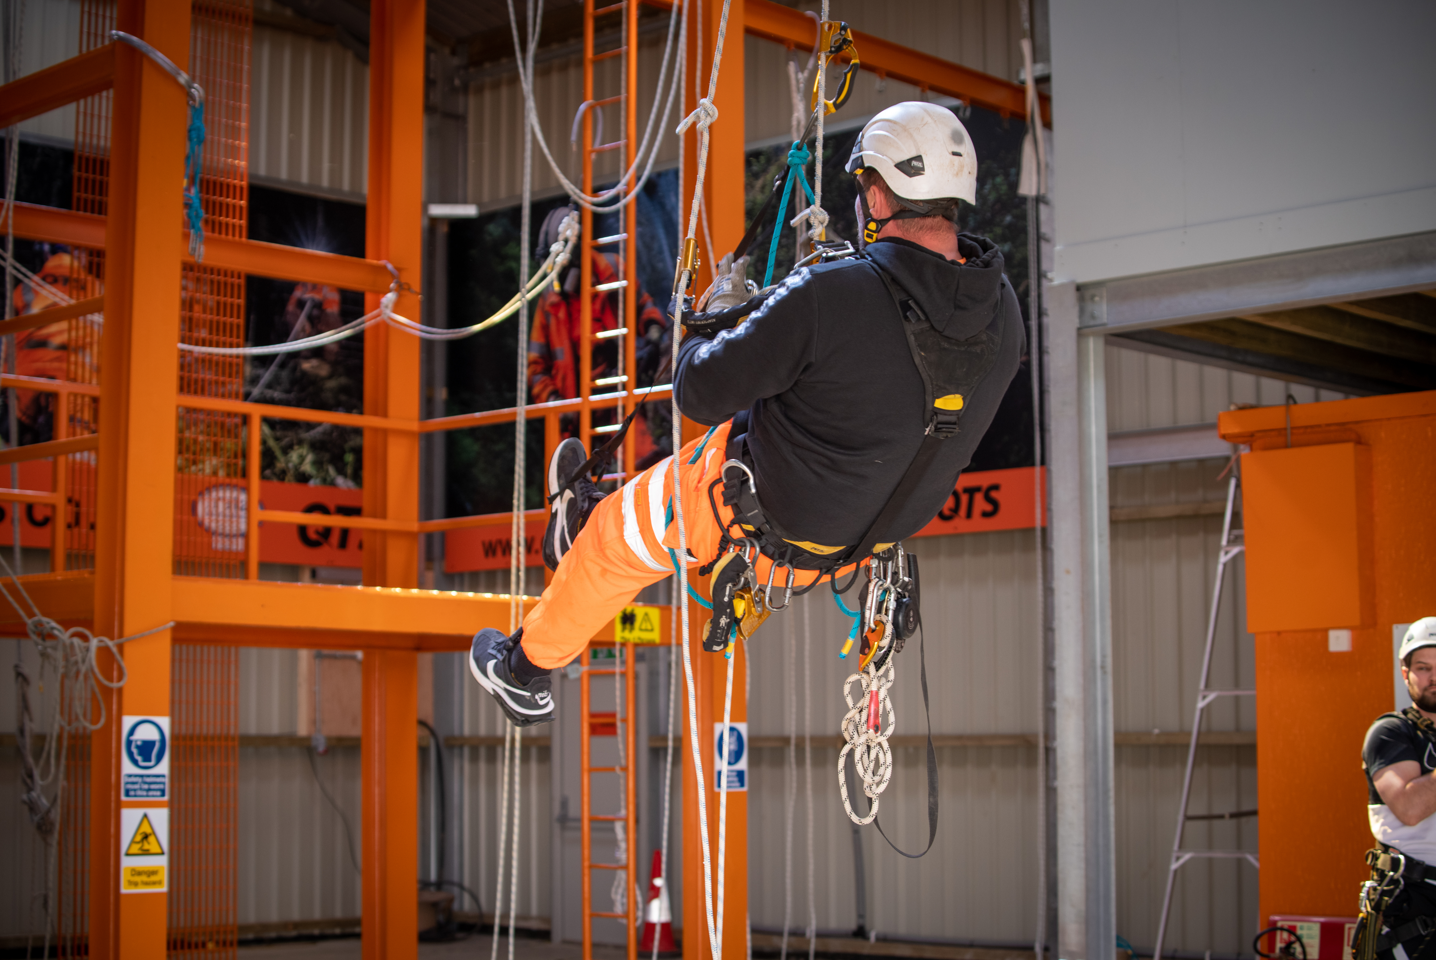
[921, 150]
[1420, 634]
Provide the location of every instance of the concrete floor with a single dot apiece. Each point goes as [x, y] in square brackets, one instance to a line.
[476, 946]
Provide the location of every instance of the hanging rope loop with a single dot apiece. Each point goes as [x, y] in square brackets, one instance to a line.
[866, 737]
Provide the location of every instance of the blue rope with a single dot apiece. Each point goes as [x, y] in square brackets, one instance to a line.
[673, 554]
[798, 157]
[856, 615]
[194, 159]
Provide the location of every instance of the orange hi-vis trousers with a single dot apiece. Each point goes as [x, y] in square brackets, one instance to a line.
[625, 546]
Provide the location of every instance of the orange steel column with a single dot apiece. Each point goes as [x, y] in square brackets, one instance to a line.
[389, 773]
[137, 447]
[723, 197]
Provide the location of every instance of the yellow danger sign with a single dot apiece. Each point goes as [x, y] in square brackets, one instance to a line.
[145, 843]
[638, 624]
[143, 878]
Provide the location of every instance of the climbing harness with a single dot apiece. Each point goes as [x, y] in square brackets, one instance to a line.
[194, 149]
[1392, 874]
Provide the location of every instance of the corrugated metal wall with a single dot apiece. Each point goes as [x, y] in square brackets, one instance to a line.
[310, 110]
[50, 34]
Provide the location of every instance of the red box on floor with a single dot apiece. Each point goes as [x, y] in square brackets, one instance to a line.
[1325, 938]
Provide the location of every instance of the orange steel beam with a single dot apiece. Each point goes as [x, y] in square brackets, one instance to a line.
[265, 613]
[46, 385]
[135, 489]
[271, 411]
[389, 764]
[788, 26]
[724, 181]
[44, 318]
[53, 225]
[599, 401]
[52, 448]
[53, 87]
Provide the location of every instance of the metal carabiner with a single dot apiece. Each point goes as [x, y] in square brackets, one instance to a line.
[788, 587]
[752, 483]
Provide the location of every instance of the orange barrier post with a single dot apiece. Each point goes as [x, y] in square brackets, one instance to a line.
[389, 771]
[137, 454]
[1338, 525]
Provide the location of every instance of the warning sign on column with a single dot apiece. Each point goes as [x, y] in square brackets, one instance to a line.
[638, 624]
[144, 851]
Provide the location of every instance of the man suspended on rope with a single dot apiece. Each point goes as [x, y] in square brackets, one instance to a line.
[820, 396]
[555, 342]
[1398, 903]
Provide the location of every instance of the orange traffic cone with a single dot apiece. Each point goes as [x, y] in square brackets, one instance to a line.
[658, 916]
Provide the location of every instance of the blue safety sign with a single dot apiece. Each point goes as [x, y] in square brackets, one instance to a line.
[731, 748]
[145, 764]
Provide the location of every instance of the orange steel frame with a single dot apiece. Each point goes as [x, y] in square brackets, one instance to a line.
[133, 587]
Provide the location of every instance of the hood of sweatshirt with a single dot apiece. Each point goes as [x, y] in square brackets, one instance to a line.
[959, 298]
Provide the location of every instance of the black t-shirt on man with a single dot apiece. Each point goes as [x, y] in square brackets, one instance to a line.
[1392, 739]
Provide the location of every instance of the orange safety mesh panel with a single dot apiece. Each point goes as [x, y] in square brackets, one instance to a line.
[210, 445]
[204, 807]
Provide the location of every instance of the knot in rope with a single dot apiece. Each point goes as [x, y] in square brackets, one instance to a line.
[866, 738]
[705, 115]
[386, 302]
[799, 154]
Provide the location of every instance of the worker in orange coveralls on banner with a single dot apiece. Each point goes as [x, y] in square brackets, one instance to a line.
[555, 344]
[48, 351]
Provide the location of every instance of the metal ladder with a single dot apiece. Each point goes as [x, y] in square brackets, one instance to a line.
[1232, 545]
[620, 725]
[623, 243]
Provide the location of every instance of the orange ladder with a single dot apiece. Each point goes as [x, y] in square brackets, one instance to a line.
[622, 250]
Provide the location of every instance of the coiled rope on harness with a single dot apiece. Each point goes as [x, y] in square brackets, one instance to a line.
[194, 136]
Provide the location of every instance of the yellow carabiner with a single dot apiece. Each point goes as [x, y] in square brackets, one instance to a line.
[837, 36]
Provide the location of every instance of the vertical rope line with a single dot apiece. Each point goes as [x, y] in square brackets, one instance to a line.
[704, 115]
[812, 930]
[822, 118]
[1034, 313]
[792, 771]
[514, 855]
[503, 836]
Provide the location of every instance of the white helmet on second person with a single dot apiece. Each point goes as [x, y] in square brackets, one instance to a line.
[1420, 634]
[921, 150]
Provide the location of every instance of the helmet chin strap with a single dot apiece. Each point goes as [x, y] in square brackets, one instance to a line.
[872, 226]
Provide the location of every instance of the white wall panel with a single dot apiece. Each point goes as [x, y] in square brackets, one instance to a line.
[1189, 134]
[310, 101]
[50, 34]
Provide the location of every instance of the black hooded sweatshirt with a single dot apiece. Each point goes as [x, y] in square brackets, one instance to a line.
[836, 400]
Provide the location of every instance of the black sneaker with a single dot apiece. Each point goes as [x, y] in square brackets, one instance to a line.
[489, 663]
[571, 502]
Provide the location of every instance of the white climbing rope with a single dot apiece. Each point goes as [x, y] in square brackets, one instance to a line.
[812, 928]
[558, 257]
[792, 800]
[668, 757]
[615, 198]
[703, 116]
[517, 554]
[866, 737]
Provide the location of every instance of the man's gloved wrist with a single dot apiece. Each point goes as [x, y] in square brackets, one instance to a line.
[730, 286]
